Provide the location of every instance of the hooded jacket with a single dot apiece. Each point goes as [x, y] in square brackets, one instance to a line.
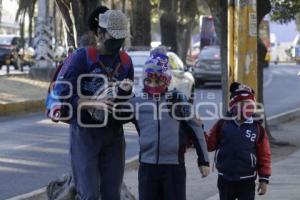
[163, 134]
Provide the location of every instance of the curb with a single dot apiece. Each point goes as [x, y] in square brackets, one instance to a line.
[38, 194]
[30, 195]
[16, 75]
[284, 117]
[132, 163]
[21, 107]
[215, 197]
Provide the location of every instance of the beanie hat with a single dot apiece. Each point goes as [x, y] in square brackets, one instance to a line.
[240, 92]
[157, 66]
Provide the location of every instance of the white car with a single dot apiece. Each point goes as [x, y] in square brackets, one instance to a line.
[182, 80]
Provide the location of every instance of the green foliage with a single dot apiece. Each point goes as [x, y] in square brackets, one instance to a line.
[284, 11]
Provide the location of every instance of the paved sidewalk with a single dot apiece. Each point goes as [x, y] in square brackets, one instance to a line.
[284, 183]
[12, 71]
[21, 95]
[15, 89]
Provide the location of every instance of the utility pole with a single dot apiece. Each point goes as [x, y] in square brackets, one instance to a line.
[43, 36]
[242, 42]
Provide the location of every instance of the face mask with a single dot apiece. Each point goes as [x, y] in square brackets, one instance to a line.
[248, 110]
[155, 90]
[113, 45]
[243, 110]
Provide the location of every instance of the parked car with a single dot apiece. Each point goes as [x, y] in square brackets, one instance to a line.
[9, 50]
[208, 65]
[181, 79]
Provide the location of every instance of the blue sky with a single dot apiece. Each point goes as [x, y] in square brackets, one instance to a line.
[284, 32]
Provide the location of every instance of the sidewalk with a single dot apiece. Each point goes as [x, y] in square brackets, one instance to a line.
[284, 183]
[20, 94]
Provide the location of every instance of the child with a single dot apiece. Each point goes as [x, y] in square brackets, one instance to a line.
[162, 173]
[242, 148]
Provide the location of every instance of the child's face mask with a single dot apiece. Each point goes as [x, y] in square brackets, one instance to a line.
[154, 86]
[244, 110]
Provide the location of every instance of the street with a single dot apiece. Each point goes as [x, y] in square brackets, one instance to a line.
[34, 150]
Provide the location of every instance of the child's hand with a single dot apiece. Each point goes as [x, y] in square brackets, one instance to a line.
[204, 170]
[262, 188]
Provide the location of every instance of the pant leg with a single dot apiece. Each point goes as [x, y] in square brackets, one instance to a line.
[174, 182]
[149, 182]
[246, 190]
[226, 189]
[111, 167]
[84, 162]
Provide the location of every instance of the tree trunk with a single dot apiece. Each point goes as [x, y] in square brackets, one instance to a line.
[61, 31]
[168, 24]
[55, 28]
[297, 21]
[183, 39]
[141, 26]
[47, 8]
[30, 25]
[68, 23]
[112, 4]
[78, 16]
[30, 30]
[124, 6]
[1, 10]
[224, 50]
[75, 14]
[263, 8]
[218, 9]
[22, 30]
[187, 11]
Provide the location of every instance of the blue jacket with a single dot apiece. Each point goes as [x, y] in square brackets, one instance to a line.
[242, 150]
[80, 65]
[163, 139]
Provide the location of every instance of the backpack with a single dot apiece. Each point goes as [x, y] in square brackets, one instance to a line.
[58, 110]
